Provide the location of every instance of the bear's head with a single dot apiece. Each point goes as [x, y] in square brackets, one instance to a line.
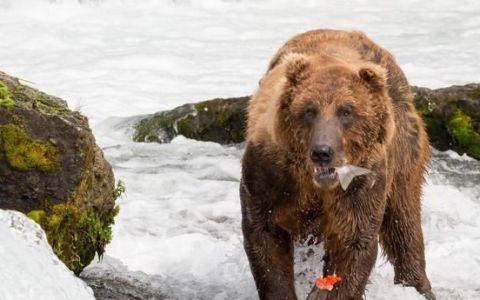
[333, 113]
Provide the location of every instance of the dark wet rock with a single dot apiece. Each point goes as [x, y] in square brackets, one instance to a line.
[110, 279]
[220, 120]
[116, 288]
[52, 170]
[452, 116]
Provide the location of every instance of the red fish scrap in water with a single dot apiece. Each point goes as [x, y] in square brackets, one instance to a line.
[327, 283]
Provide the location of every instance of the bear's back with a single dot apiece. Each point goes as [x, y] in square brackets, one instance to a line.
[350, 47]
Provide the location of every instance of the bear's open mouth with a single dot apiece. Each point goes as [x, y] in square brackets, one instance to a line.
[320, 173]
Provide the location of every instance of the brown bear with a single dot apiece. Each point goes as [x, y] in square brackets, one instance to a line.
[329, 99]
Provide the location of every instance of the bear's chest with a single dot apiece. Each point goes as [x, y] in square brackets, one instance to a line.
[300, 219]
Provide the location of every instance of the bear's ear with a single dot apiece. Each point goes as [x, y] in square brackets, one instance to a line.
[373, 76]
[296, 68]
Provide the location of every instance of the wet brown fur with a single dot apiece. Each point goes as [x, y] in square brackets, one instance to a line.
[280, 203]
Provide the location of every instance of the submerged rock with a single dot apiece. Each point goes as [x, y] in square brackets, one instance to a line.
[452, 116]
[52, 170]
[110, 279]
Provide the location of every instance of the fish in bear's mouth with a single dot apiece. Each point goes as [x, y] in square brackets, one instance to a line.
[326, 177]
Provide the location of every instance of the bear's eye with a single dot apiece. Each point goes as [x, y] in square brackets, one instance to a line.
[310, 113]
[345, 112]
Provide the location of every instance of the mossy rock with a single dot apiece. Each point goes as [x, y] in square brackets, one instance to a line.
[52, 170]
[451, 115]
[220, 120]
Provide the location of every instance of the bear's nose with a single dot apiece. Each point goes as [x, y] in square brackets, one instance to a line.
[321, 153]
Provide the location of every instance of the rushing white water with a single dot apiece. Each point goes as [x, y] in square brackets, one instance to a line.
[180, 218]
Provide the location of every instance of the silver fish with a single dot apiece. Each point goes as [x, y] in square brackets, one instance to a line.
[348, 172]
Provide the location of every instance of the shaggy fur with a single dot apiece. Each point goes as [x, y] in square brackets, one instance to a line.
[313, 78]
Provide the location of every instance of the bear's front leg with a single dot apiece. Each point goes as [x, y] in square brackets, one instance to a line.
[269, 250]
[353, 262]
[354, 219]
[270, 253]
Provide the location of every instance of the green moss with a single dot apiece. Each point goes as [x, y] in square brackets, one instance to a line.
[215, 108]
[460, 127]
[185, 127]
[202, 106]
[119, 190]
[430, 120]
[24, 153]
[45, 105]
[475, 93]
[435, 125]
[96, 235]
[5, 100]
[223, 116]
[36, 215]
[214, 118]
[75, 235]
[17, 120]
[148, 130]
[238, 135]
[87, 180]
